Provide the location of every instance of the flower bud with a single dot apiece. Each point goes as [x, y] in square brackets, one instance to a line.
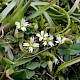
[50, 65]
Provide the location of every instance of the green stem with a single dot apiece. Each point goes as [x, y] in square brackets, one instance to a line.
[77, 20]
[21, 56]
[67, 16]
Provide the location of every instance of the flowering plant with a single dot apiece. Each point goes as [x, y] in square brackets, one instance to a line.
[39, 39]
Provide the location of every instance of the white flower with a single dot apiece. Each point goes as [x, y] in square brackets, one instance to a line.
[48, 40]
[42, 35]
[60, 40]
[22, 25]
[31, 44]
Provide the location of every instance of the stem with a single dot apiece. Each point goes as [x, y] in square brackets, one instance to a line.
[67, 16]
[39, 52]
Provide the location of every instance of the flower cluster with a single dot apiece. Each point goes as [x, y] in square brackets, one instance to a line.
[47, 39]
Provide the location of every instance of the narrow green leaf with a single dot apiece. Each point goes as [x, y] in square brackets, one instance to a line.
[7, 10]
[66, 64]
[7, 19]
[41, 10]
[51, 23]
[74, 7]
[7, 60]
[20, 13]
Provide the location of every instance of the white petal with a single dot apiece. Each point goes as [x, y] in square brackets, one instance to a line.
[17, 27]
[23, 28]
[45, 43]
[23, 21]
[42, 33]
[41, 38]
[36, 45]
[25, 44]
[51, 37]
[17, 23]
[38, 35]
[63, 40]
[32, 39]
[50, 43]
[25, 24]
[46, 35]
[31, 49]
[59, 39]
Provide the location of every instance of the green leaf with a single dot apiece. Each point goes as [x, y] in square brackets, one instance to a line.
[9, 71]
[7, 60]
[63, 49]
[61, 77]
[75, 48]
[66, 64]
[48, 19]
[74, 7]
[20, 13]
[7, 10]
[29, 74]
[3, 42]
[19, 75]
[44, 64]
[22, 61]
[8, 49]
[78, 40]
[33, 65]
[11, 38]
[41, 10]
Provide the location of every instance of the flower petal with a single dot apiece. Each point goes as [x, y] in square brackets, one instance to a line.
[23, 28]
[42, 33]
[17, 27]
[17, 23]
[23, 21]
[32, 39]
[51, 37]
[45, 43]
[36, 45]
[31, 49]
[41, 38]
[57, 41]
[59, 38]
[25, 44]
[26, 24]
[46, 35]
[50, 43]
[38, 35]
[63, 40]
